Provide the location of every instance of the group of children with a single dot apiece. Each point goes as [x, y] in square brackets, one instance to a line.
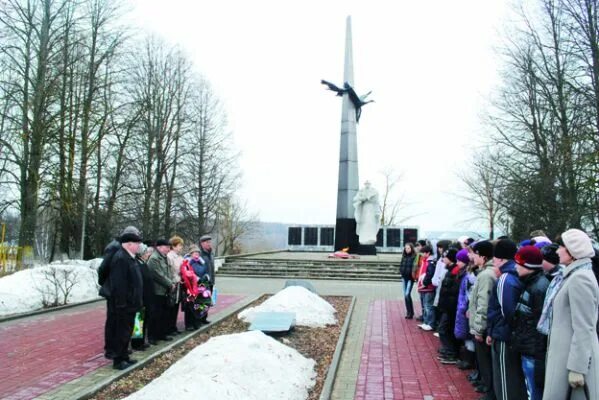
[494, 304]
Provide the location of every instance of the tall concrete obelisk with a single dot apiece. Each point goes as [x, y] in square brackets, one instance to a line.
[348, 184]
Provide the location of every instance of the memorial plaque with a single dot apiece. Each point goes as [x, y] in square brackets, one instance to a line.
[310, 236]
[273, 322]
[379, 238]
[327, 236]
[295, 236]
[410, 235]
[393, 237]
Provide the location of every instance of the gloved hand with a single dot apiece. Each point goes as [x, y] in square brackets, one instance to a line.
[575, 379]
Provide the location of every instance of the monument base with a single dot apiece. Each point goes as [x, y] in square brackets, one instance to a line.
[367, 250]
[345, 235]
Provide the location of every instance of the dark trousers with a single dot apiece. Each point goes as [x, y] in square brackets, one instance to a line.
[408, 284]
[508, 378]
[108, 328]
[485, 366]
[191, 320]
[157, 323]
[172, 314]
[447, 335]
[121, 334]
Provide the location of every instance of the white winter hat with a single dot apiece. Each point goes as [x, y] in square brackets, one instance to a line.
[578, 244]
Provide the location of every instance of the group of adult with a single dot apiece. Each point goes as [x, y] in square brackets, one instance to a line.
[146, 284]
[525, 316]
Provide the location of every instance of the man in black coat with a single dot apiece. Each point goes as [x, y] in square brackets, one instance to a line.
[104, 282]
[126, 290]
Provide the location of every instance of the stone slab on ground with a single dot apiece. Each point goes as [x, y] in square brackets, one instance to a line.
[42, 352]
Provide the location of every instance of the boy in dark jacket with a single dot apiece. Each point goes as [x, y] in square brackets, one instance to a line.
[530, 343]
[508, 378]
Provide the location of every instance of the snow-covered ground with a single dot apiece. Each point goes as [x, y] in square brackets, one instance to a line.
[242, 366]
[27, 290]
[309, 308]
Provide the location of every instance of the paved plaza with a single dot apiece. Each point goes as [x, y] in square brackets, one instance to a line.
[56, 355]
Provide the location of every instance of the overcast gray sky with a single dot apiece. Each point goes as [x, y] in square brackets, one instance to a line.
[431, 66]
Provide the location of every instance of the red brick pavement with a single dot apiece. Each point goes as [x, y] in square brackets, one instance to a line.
[48, 350]
[399, 360]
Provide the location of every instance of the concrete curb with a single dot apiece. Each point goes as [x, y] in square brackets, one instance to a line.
[48, 310]
[327, 388]
[121, 374]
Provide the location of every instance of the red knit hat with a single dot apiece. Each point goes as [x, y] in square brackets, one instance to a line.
[529, 257]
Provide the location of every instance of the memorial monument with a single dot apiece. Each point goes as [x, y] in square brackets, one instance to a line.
[368, 218]
[347, 188]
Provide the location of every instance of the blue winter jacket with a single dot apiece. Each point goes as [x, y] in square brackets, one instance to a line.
[502, 303]
[200, 268]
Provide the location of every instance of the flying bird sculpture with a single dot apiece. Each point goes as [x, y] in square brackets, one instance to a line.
[357, 101]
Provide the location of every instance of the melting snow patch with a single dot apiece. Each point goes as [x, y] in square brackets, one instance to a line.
[309, 308]
[244, 366]
[26, 290]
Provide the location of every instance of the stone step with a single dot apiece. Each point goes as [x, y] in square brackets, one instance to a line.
[312, 262]
[334, 277]
[307, 270]
[337, 274]
[316, 265]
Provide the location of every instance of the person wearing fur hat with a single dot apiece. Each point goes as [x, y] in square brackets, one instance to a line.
[571, 309]
[508, 378]
[530, 343]
[477, 309]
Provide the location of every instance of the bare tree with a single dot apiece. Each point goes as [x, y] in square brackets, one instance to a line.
[392, 201]
[484, 187]
[233, 223]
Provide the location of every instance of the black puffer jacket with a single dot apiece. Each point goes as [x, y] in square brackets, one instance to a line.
[407, 266]
[450, 290]
[525, 337]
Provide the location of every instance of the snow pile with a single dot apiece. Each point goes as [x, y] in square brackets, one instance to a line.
[28, 290]
[309, 308]
[246, 366]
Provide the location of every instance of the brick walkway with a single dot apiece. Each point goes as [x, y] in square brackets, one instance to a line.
[399, 360]
[42, 352]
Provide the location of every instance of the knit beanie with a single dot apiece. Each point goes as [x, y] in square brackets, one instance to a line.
[484, 249]
[193, 249]
[463, 256]
[529, 257]
[550, 253]
[578, 244]
[450, 254]
[505, 249]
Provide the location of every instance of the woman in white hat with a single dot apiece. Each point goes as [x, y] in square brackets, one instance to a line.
[571, 312]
